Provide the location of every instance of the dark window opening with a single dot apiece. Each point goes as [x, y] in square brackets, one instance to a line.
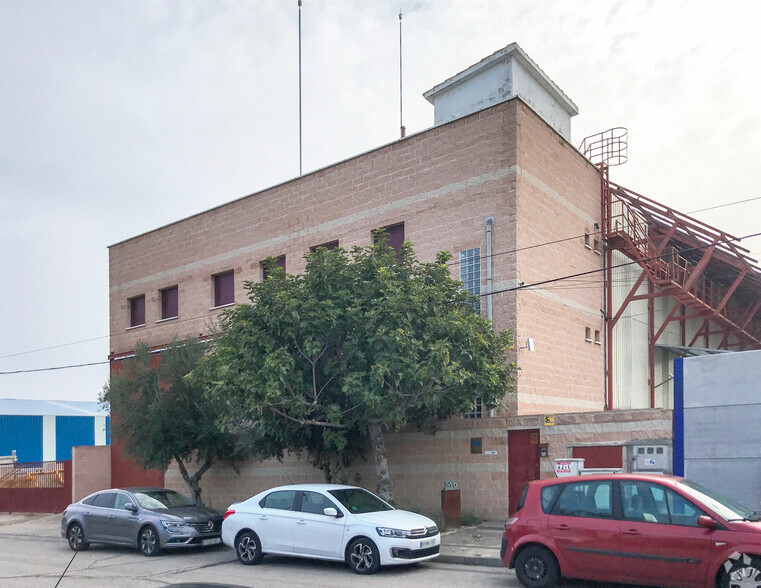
[169, 302]
[330, 245]
[224, 292]
[266, 271]
[394, 235]
[137, 311]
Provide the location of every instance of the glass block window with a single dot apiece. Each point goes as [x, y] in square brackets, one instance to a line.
[470, 274]
[477, 412]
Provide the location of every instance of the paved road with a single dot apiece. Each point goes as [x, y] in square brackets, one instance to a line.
[35, 555]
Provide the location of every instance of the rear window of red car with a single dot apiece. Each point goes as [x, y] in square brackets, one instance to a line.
[548, 495]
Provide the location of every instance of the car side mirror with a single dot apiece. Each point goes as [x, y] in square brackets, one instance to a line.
[130, 507]
[707, 522]
[331, 512]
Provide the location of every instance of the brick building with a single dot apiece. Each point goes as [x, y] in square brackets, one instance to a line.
[496, 182]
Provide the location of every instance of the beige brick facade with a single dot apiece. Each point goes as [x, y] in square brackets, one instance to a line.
[503, 162]
[419, 464]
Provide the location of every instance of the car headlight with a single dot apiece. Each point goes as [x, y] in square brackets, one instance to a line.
[389, 532]
[175, 527]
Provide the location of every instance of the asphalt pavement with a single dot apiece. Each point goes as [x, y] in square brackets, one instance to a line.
[478, 545]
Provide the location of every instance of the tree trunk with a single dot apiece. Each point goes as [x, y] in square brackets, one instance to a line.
[193, 482]
[385, 485]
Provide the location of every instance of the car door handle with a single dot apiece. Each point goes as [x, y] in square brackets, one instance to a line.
[111, 516]
[264, 518]
[562, 527]
[631, 532]
[301, 522]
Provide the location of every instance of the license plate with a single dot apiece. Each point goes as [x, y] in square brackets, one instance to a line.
[215, 541]
[427, 543]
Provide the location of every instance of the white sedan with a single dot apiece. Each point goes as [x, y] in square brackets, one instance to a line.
[329, 521]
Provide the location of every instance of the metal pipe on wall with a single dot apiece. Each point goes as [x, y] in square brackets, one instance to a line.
[489, 222]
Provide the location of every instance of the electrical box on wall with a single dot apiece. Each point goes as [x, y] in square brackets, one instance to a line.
[653, 457]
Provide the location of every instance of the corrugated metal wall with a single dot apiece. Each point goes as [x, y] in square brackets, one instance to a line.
[71, 431]
[23, 434]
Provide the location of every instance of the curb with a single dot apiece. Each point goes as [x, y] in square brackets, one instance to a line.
[469, 560]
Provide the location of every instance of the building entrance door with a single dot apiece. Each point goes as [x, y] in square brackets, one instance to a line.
[522, 462]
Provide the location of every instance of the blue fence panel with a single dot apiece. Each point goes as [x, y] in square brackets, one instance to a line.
[71, 431]
[22, 433]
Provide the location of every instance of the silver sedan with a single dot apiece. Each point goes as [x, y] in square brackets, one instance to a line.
[151, 519]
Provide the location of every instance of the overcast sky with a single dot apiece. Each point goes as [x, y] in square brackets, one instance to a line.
[117, 117]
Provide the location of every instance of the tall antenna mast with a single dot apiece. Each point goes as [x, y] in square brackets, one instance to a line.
[300, 164]
[402, 130]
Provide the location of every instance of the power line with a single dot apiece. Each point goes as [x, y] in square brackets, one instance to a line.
[54, 347]
[50, 369]
[597, 270]
[724, 205]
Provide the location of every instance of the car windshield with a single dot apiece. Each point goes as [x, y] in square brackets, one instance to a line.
[726, 508]
[359, 501]
[158, 499]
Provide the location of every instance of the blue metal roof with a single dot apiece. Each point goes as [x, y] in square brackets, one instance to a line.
[13, 406]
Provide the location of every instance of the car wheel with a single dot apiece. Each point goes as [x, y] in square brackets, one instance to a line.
[249, 548]
[76, 537]
[363, 556]
[742, 572]
[148, 541]
[536, 567]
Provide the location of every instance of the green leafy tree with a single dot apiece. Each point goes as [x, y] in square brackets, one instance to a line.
[358, 345]
[161, 415]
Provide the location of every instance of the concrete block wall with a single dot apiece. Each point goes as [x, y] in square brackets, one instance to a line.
[91, 470]
[441, 183]
[503, 162]
[419, 464]
[558, 202]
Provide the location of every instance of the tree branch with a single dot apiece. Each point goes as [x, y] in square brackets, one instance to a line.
[308, 421]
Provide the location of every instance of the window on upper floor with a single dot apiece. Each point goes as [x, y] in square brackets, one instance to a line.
[169, 303]
[470, 274]
[394, 235]
[330, 245]
[279, 262]
[137, 311]
[224, 288]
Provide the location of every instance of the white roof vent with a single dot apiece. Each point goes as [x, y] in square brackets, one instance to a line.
[500, 77]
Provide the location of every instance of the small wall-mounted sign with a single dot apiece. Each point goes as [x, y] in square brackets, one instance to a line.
[549, 420]
[476, 445]
[490, 452]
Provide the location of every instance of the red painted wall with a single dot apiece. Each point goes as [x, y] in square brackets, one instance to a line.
[38, 499]
[125, 471]
[600, 456]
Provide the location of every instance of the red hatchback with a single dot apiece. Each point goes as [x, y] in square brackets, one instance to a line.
[638, 529]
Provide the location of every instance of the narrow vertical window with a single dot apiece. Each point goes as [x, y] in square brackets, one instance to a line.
[330, 245]
[279, 262]
[597, 337]
[587, 241]
[394, 237]
[588, 334]
[137, 311]
[224, 291]
[169, 303]
[470, 274]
